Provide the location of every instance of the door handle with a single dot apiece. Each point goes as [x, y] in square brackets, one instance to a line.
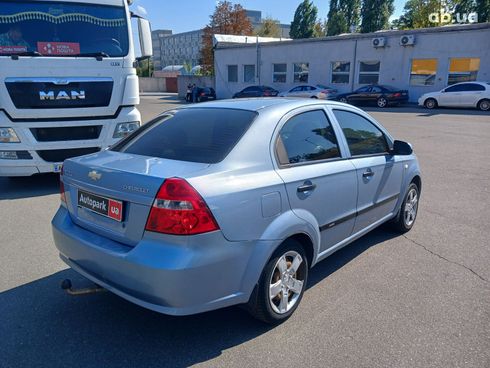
[306, 187]
[368, 174]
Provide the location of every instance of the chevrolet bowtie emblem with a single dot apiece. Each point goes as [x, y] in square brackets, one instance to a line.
[94, 175]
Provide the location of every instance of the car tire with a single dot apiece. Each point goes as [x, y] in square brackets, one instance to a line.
[430, 103]
[382, 102]
[314, 97]
[271, 309]
[407, 215]
[343, 100]
[484, 105]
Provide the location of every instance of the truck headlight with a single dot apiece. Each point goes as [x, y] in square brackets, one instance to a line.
[7, 135]
[124, 129]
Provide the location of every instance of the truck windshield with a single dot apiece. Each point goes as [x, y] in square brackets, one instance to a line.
[45, 28]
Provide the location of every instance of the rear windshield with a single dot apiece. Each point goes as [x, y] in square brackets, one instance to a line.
[204, 135]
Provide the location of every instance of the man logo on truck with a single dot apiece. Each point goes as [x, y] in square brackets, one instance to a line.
[61, 95]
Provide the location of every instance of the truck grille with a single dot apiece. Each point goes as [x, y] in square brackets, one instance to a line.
[61, 155]
[66, 133]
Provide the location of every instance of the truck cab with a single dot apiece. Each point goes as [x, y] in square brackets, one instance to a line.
[68, 82]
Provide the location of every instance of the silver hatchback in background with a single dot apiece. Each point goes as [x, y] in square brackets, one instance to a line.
[232, 202]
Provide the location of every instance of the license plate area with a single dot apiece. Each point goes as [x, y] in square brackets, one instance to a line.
[104, 206]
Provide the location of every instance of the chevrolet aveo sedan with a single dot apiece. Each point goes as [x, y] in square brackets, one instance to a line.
[232, 202]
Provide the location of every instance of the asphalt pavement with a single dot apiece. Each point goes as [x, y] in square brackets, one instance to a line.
[387, 300]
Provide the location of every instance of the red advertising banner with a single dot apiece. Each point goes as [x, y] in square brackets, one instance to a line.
[12, 49]
[58, 48]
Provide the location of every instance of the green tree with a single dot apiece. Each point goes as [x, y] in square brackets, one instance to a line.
[376, 15]
[303, 24]
[343, 16]
[483, 9]
[226, 19]
[269, 28]
[145, 68]
[320, 29]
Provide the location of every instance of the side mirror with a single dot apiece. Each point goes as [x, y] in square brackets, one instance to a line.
[144, 33]
[402, 148]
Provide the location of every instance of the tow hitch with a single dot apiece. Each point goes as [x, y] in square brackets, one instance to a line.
[67, 286]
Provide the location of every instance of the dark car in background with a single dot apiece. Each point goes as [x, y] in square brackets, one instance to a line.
[380, 95]
[206, 94]
[256, 91]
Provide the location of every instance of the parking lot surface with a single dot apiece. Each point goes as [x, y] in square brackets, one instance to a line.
[419, 300]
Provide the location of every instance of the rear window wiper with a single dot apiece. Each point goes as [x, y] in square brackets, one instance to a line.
[25, 53]
[98, 55]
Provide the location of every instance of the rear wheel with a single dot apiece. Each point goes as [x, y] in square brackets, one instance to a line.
[430, 103]
[382, 102]
[281, 285]
[408, 210]
[484, 105]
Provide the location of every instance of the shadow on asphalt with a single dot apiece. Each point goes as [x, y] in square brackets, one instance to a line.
[31, 186]
[43, 327]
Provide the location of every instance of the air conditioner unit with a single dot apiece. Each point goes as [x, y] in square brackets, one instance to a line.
[407, 40]
[378, 42]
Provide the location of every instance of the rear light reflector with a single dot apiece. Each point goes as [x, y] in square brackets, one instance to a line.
[178, 209]
[62, 187]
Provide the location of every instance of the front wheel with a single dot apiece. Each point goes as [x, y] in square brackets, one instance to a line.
[430, 103]
[408, 210]
[281, 285]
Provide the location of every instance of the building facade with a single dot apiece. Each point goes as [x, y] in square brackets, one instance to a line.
[421, 60]
[185, 48]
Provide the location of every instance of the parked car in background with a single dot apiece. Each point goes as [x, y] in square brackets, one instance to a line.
[256, 91]
[380, 95]
[228, 203]
[464, 94]
[205, 94]
[308, 91]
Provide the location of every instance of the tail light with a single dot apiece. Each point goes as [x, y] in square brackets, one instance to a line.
[178, 209]
[62, 187]
[267, 93]
[203, 94]
[398, 94]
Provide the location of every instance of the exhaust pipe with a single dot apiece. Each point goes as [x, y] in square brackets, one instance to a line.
[67, 286]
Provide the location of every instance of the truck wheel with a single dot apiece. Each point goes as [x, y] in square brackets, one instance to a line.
[281, 285]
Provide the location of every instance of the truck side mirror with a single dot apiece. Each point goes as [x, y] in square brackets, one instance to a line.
[144, 33]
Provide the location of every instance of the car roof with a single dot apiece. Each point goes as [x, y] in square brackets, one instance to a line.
[256, 104]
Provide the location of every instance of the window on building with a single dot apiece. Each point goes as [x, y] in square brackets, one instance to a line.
[423, 72]
[249, 73]
[301, 71]
[279, 73]
[463, 70]
[233, 73]
[340, 72]
[369, 72]
[307, 137]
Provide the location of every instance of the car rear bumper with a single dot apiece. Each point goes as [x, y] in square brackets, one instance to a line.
[169, 274]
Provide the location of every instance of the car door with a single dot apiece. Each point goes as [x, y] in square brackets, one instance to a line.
[360, 95]
[320, 184]
[375, 93]
[451, 96]
[295, 92]
[379, 173]
[471, 94]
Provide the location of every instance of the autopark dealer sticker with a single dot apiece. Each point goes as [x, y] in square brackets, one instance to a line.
[58, 48]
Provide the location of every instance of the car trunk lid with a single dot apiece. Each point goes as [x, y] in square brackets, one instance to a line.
[111, 193]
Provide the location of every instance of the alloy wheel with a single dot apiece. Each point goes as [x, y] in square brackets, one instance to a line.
[287, 282]
[411, 206]
[382, 102]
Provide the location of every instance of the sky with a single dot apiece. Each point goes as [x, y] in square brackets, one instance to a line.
[188, 15]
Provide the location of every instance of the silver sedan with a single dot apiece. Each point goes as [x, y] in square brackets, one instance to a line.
[232, 202]
[308, 91]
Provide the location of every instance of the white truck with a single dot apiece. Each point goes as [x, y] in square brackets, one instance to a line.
[68, 84]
